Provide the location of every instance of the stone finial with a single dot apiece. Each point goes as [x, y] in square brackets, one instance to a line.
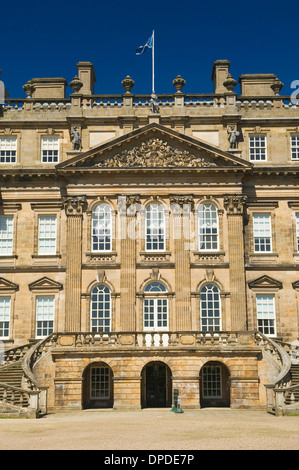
[128, 83]
[230, 83]
[76, 84]
[276, 86]
[29, 88]
[179, 83]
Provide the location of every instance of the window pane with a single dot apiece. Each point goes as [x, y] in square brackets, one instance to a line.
[6, 235]
[100, 383]
[4, 316]
[262, 232]
[50, 149]
[212, 382]
[155, 227]
[265, 308]
[295, 147]
[100, 309]
[102, 228]
[257, 148]
[208, 227]
[45, 307]
[47, 235]
[8, 149]
[210, 309]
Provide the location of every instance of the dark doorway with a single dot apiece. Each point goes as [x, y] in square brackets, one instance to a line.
[97, 387]
[214, 385]
[156, 386]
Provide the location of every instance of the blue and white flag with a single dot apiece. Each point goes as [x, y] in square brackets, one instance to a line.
[146, 46]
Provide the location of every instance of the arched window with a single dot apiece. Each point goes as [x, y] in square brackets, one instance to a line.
[210, 308]
[155, 307]
[154, 227]
[101, 228]
[208, 227]
[100, 308]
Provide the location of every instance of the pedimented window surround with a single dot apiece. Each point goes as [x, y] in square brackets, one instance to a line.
[265, 285]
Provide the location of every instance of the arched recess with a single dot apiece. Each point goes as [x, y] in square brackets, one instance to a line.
[156, 385]
[214, 379]
[97, 386]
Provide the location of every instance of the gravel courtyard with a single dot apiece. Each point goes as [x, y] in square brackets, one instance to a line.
[205, 429]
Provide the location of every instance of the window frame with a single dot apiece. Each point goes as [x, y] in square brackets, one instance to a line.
[110, 230]
[149, 228]
[257, 148]
[53, 248]
[263, 318]
[48, 320]
[154, 300]
[205, 222]
[4, 149]
[294, 147]
[2, 327]
[98, 318]
[107, 381]
[255, 216]
[212, 317]
[11, 251]
[46, 139]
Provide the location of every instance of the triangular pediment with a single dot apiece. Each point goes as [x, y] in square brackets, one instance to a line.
[45, 283]
[154, 146]
[265, 282]
[6, 285]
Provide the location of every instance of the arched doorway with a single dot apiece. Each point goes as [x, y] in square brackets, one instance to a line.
[97, 387]
[214, 385]
[156, 385]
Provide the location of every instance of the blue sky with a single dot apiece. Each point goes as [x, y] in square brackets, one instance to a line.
[47, 39]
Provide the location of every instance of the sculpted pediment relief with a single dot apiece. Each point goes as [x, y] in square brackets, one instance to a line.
[153, 146]
[155, 152]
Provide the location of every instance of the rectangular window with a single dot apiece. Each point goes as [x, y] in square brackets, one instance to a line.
[100, 383]
[4, 316]
[47, 235]
[297, 231]
[155, 314]
[257, 148]
[44, 316]
[50, 149]
[295, 147]
[265, 308]
[212, 382]
[155, 228]
[8, 149]
[208, 227]
[6, 235]
[262, 233]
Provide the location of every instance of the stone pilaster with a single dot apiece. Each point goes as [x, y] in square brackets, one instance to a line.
[181, 223]
[234, 205]
[74, 211]
[127, 214]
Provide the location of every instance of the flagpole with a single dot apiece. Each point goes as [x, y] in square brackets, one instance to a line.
[153, 63]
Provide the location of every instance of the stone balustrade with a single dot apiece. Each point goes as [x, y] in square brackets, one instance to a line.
[200, 101]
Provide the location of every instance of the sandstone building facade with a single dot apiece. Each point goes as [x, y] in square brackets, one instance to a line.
[149, 247]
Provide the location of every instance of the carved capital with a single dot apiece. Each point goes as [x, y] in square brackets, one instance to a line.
[234, 204]
[181, 199]
[74, 205]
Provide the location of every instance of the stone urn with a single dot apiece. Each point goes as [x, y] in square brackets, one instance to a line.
[128, 83]
[29, 88]
[276, 86]
[76, 84]
[179, 83]
[230, 83]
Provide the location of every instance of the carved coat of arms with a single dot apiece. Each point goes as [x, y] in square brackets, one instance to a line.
[155, 153]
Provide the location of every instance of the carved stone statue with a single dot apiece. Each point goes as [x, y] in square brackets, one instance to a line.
[233, 137]
[154, 104]
[76, 139]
